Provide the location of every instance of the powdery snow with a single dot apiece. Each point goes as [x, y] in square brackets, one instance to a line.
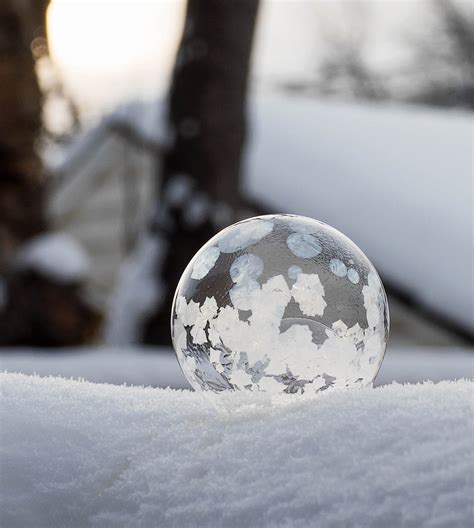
[82, 454]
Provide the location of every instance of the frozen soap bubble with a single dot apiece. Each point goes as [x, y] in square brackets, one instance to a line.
[280, 304]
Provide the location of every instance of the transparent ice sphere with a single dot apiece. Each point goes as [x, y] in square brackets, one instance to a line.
[280, 304]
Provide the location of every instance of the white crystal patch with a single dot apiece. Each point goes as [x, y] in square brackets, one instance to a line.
[338, 267]
[204, 262]
[353, 276]
[245, 234]
[308, 292]
[246, 267]
[303, 245]
[293, 272]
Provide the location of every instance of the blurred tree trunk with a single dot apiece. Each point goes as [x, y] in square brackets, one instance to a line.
[22, 26]
[38, 310]
[199, 186]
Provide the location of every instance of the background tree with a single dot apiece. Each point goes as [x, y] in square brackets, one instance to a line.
[199, 183]
[443, 66]
[22, 182]
[438, 69]
[38, 310]
[344, 69]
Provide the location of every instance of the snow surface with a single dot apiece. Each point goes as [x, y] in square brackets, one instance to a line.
[82, 454]
[55, 255]
[158, 367]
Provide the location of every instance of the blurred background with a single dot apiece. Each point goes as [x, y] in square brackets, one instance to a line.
[132, 131]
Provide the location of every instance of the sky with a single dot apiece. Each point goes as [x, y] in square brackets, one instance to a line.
[108, 51]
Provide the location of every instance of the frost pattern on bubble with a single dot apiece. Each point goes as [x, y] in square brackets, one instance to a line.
[244, 234]
[308, 292]
[303, 245]
[293, 272]
[204, 262]
[246, 267]
[338, 267]
[241, 294]
[280, 313]
[352, 275]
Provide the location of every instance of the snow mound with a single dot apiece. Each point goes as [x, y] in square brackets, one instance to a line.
[82, 454]
[55, 255]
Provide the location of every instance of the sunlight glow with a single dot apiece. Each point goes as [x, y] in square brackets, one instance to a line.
[114, 48]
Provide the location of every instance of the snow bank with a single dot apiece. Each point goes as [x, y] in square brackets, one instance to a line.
[82, 454]
[55, 255]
